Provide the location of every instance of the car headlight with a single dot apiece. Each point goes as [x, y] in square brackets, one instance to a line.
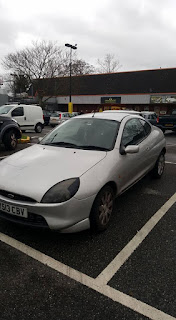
[61, 191]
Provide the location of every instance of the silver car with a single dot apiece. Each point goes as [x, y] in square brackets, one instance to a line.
[58, 117]
[69, 180]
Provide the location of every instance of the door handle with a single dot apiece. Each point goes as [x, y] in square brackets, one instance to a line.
[24, 118]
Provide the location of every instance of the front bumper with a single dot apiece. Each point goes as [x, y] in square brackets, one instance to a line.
[69, 216]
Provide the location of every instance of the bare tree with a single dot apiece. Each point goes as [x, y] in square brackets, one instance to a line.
[108, 64]
[78, 67]
[43, 60]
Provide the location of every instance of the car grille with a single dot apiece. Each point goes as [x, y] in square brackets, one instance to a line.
[14, 196]
[33, 220]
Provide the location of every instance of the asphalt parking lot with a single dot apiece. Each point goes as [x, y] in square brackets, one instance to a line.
[127, 272]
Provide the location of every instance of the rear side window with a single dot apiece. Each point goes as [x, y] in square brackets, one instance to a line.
[146, 126]
[18, 112]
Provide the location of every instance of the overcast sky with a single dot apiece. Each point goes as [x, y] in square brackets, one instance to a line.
[140, 33]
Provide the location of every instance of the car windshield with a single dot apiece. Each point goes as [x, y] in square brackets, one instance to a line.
[5, 109]
[89, 134]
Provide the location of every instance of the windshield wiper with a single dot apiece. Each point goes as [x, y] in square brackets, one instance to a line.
[72, 145]
[62, 144]
[94, 148]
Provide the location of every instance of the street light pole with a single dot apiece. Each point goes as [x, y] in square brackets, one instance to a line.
[70, 105]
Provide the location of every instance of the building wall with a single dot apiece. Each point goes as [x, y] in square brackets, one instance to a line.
[96, 99]
[88, 103]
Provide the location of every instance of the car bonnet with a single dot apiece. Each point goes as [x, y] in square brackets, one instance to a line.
[34, 170]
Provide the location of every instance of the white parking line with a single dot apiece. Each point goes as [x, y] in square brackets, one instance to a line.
[106, 275]
[168, 162]
[100, 283]
[170, 145]
[115, 295]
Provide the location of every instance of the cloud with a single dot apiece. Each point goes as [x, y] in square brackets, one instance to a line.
[140, 32]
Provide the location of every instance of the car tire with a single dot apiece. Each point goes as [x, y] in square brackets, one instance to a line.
[159, 166]
[102, 209]
[38, 128]
[10, 140]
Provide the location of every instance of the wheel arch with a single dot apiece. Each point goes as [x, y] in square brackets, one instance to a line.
[111, 184]
[18, 134]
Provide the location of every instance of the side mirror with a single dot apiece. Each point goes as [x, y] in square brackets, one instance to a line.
[132, 149]
[40, 139]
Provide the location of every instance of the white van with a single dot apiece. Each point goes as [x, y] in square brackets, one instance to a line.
[28, 116]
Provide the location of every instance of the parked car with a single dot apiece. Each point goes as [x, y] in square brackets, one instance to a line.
[74, 114]
[46, 116]
[27, 116]
[9, 132]
[150, 116]
[167, 122]
[124, 111]
[88, 161]
[58, 117]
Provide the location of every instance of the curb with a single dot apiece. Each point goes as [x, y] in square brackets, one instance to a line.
[27, 140]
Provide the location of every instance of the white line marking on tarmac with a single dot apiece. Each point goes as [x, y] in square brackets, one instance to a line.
[170, 145]
[105, 276]
[89, 282]
[168, 162]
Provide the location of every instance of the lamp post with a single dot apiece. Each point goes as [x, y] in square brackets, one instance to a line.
[14, 75]
[70, 105]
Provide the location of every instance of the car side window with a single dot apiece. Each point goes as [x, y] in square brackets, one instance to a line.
[18, 112]
[147, 127]
[133, 133]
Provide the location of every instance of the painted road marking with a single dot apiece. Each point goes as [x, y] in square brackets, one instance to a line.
[115, 295]
[168, 162]
[100, 283]
[105, 276]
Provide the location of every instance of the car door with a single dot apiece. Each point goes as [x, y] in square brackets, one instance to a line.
[152, 143]
[18, 115]
[132, 166]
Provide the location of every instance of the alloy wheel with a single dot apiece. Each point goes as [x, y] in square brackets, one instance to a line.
[105, 208]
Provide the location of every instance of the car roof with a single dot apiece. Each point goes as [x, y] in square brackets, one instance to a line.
[148, 112]
[118, 116]
[123, 111]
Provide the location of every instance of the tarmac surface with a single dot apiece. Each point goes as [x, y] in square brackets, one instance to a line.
[126, 272]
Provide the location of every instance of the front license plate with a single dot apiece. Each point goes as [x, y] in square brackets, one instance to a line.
[17, 211]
